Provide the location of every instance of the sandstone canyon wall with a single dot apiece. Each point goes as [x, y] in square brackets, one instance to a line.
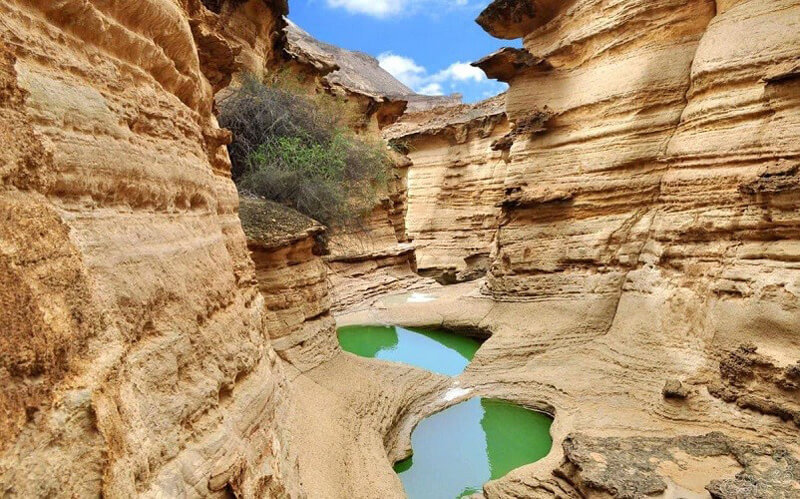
[633, 198]
[667, 172]
[670, 152]
[245, 36]
[643, 272]
[293, 280]
[136, 357]
[454, 178]
[662, 188]
[373, 258]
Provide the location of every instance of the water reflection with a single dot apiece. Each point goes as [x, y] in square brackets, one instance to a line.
[461, 448]
[438, 351]
[458, 450]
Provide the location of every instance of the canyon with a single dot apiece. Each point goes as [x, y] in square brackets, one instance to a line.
[622, 226]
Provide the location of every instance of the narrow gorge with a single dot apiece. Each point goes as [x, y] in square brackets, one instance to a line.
[618, 233]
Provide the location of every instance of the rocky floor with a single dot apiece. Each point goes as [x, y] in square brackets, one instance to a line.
[617, 430]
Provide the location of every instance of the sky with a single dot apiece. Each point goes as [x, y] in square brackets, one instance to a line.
[426, 44]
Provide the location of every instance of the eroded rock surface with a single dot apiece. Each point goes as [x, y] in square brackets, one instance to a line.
[374, 97]
[135, 354]
[629, 467]
[293, 280]
[374, 257]
[633, 198]
[455, 180]
[647, 228]
[753, 381]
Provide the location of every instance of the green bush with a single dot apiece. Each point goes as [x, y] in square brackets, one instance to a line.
[297, 150]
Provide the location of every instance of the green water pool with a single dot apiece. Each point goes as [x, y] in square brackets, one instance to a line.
[438, 351]
[457, 450]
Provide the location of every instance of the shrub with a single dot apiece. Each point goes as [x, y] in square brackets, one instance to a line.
[296, 150]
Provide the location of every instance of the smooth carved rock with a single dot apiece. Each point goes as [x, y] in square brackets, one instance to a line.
[135, 357]
[643, 231]
[455, 184]
[509, 18]
[508, 62]
[378, 95]
[646, 230]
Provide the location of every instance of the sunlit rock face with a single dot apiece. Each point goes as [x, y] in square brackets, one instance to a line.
[254, 30]
[372, 257]
[727, 218]
[664, 181]
[454, 179]
[638, 190]
[293, 280]
[670, 158]
[581, 191]
[135, 357]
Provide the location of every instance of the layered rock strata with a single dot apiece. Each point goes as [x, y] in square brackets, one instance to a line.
[358, 278]
[650, 221]
[645, 173]
[343, 410]
[615, 434]
[648, 230]
[374, 97]
[135, 357]
[455, 179]
[292, 278]
[252, 30]
[590, 181]
[373, 258]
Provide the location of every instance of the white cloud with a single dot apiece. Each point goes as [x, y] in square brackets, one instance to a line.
[431, 89]
[418, 79]
[404, 69]
[387, 8]
[376, 8]
[460, 71]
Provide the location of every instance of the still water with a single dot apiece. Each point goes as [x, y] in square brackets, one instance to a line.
[461, 448]
[437, 351]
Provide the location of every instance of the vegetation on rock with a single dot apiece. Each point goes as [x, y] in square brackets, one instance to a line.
[297, 150]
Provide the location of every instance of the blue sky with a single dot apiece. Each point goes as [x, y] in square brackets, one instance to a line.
[426, 44]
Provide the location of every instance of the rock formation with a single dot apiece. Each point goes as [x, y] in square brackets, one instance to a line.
[753, 381]
[628, 467]
[633, 200]
[374, 97]
[647, 228]
[293, 281]
[634, 156]
[454, 180]
[135, 357]
[374, 258]
[251, 29]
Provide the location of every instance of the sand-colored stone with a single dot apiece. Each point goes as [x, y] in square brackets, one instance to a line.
[649, 230]
[135, 354]
[637, 196]
[373, 257]
[253, 29]
[604, 385]
[374, 98]
[454, 181]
